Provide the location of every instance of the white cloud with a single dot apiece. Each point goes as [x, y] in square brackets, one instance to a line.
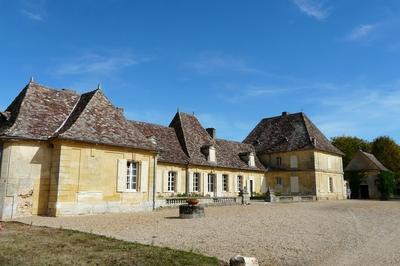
[96, 63]
[211, 63]
[313, 8]
[361, 32]
[34, 9]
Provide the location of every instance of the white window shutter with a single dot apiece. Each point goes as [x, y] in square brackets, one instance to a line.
[219, 183]
[122, 173]
[205, 183]
[190, 182]
[177, 181]
[165, 181]
[293, 161]
[159, 181]
[144, 176]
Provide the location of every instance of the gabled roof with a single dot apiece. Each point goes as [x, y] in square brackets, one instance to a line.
[37, 112]
[194, 138]
[41, 113]
[364, 161]
[167, 141]
[95, 120]
[288, 132]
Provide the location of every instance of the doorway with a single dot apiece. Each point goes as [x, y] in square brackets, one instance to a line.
[364, 192]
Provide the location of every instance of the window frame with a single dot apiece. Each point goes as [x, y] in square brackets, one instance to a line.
[225, 182]
[195, 182]
[210, 184]
[239, 183]
[132, 180]
[331, 187]
[279, 181]
[171, 181]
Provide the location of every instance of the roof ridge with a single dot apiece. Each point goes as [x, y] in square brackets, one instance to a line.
[148, 123]
[64, 124]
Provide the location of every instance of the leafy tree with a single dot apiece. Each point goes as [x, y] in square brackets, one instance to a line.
[350, 145]
[387, 151]
[355, 178]
[386, 184]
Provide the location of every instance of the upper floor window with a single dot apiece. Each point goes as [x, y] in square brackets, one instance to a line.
[171, 181]
[330, 184]
[210, 183]
[279, 181]
[211, 154]
[225, 182]
[329, 162]
[293, 161]
[196, 180]
[239, 182]
[278, 161]
[131, 175]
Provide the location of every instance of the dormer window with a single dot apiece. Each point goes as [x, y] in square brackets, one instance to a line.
[252, 161]
[211, 154]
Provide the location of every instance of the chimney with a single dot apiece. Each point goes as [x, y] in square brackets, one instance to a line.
[212, 132]
[285, 113]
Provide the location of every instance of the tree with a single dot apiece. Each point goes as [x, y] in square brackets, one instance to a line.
[386, 184]
[387, 152]
[350, 145]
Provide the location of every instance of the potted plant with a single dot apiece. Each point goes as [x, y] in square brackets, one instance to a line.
[192, 200]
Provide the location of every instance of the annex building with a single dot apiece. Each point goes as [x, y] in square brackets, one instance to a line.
[64, 153]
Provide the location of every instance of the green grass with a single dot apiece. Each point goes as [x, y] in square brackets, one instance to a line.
[30, 245]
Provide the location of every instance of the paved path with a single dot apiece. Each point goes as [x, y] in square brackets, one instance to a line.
[315, 233]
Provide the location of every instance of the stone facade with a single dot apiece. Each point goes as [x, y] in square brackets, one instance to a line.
[69, 154]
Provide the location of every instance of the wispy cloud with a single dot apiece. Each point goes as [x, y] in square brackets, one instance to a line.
[313, 8]
[34, 9]
[361, 32]
[212, 63]
[97, 63]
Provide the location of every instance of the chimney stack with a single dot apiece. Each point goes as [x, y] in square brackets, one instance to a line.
[285, 113]
[212, 132]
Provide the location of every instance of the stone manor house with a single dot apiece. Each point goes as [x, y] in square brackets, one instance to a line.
[66, 154]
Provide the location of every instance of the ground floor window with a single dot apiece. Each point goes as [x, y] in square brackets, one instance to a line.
[279, 181]
[131, 175]
[239, 182]
[210, 183]
[196, 178]
[330, 184]
[225, 182]
[171, 181]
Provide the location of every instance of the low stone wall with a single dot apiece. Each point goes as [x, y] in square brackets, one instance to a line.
[217, 201]
[293, 198]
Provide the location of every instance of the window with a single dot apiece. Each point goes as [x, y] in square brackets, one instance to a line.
[225, 182]
[171, 181]
[239, 182]
[329, 163]
[279, 181]
[131, 175]
[293, 161]
[252, 162]
[278, 161]
[330, 184]
[211, 154]
[196, 179]
[210, 183]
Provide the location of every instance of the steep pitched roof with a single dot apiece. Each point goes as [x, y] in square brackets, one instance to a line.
[95, 120]
[167, 141]
[288, 132]
[364, 161]
[193, 138]
[37, 112]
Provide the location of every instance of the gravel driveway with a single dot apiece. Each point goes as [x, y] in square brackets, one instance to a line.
[316, 233]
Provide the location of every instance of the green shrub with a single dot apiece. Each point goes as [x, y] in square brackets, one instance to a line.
[386, 184]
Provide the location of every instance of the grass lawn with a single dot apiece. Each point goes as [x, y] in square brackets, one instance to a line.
[29, 245]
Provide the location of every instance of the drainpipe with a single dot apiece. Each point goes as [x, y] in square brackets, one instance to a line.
[154, 181]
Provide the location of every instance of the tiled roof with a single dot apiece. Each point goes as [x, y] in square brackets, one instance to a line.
[193, 138]
[364, 161]
[41, 113]
[288, 132]
[37, 112]
[167, 141]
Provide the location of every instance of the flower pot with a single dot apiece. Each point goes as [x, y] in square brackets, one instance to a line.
[192, 201]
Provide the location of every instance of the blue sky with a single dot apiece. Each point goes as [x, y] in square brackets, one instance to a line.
[230, 62]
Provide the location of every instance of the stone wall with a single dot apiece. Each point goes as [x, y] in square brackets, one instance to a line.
[24, 179]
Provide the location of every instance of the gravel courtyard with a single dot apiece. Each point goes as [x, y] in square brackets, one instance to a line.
[316, 233]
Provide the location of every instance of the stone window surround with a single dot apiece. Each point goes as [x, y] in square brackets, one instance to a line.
[171, 181]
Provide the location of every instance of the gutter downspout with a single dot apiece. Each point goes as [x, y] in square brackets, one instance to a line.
[154, 181]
